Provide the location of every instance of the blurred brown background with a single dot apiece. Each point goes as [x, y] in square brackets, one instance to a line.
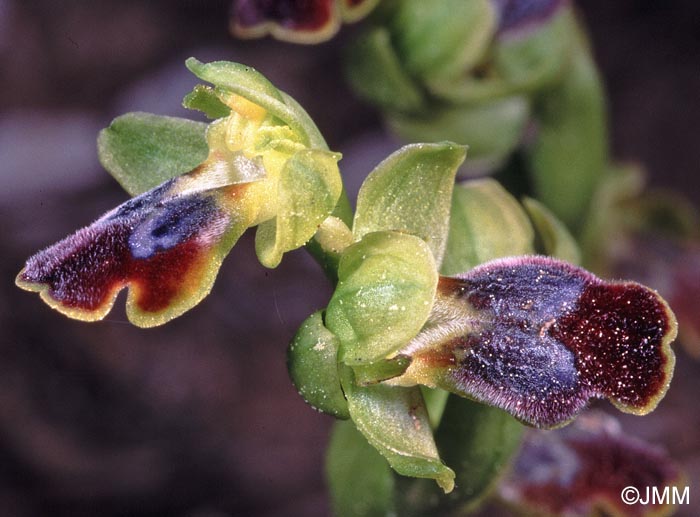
[197, 418]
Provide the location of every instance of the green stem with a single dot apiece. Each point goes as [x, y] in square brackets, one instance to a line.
[326, 246]
[571, 153]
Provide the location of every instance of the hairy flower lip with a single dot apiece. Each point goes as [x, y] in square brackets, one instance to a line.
[539, 337]
[164, 245]
[581, 470]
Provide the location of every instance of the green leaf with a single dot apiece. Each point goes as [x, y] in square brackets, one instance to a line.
[252, 85]
[204, 99]
[376, 73]
[410, 191]
[360, 480]
[445, 39]
[308, 190]
[312, 360]
[570, 153]
[492, 129]
[555, 237]
[486, 223]
[479, 441]
[395, 422]
[385, 292]
[142, 150]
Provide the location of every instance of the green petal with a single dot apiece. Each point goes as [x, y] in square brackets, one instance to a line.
[312, 360]
[373, 373]
[309, 188]
[486, 223]
[385, 292]
[142, 150]
[410, 191]
[395, 422]
[360, 480]
[205, 99]
[253, 86]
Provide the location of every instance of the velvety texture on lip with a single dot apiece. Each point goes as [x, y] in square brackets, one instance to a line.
[539, 337]
[165, 245]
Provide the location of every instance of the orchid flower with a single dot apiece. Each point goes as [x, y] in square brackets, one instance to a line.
[297, 21]
[267, 166]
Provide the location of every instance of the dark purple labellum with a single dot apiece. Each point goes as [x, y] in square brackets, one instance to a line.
[164, 244]
[583, 470]
[257, 17]
[539, 337]
[515, 14]
[674, 266]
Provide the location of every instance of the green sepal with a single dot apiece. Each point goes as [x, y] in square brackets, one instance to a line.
[486, 223]
[411, 191]
[360, 480]
[442, 40]
[555, 238]
[205, 99]
[376, 73]
[312, 361]
[385, 291]
[308, 190]
[480, 442]
[142, 150]
[492, 129]
[395, 422]
[252, 85]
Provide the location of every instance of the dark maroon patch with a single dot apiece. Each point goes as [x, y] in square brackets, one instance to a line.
[158, 245]
[298, 15]
[539, 337]
[96, 266]
[673, 266]
[164, 276]
[582, 470]
[616, 332]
